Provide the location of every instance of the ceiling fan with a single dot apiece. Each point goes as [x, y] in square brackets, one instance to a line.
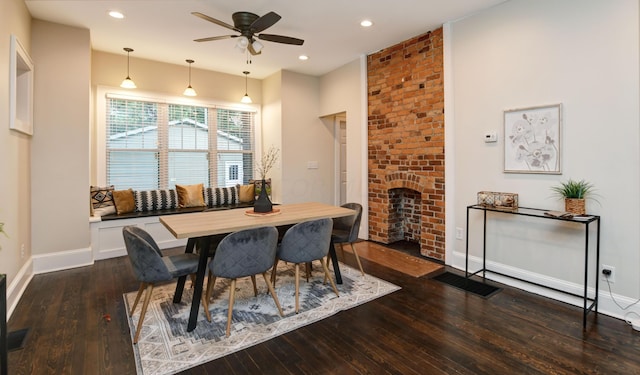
[250, 26]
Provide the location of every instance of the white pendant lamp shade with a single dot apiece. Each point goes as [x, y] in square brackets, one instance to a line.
[128, 82]
[189, 91]
[246, 99]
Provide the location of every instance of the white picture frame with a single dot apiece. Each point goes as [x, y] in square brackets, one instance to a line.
[532, 140]
[20, 88]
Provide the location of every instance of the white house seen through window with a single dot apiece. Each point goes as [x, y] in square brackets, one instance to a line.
[153, 145]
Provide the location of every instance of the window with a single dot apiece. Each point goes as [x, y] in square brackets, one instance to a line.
[156, 145]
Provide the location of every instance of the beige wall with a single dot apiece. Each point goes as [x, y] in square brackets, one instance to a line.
[108, 70]
[305, 138]
[271, 134]
[15, 154]
[60, 153]
[344, 91]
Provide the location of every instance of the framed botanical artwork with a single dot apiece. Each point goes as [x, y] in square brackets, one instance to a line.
[532, 139]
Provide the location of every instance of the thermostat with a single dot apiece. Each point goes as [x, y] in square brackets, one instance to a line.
[490, 137]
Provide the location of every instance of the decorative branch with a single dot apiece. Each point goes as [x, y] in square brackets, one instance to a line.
[267, 161]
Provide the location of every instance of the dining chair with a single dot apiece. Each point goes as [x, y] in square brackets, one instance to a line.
[244, 253]
[304, 243]
[345, 230]
[150, 266]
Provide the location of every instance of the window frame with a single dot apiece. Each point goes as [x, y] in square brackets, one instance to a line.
[103, 93]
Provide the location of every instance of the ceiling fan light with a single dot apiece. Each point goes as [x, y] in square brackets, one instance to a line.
[257, 46]
[242, 43]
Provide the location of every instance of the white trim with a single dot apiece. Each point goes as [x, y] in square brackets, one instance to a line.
[364, 115]
[18, 286]
[449, 145]
[62, 260]
[606, 304]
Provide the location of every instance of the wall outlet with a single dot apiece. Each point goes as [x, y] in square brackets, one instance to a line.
[612, 275]
[459, 233]
[22, 251]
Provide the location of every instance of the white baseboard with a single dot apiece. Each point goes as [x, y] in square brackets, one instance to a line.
[17, 287]
[606, 304]
[62, 260]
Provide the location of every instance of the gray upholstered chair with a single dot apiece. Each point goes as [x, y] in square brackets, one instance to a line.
[304, 243]
[150, 267]
[244, 253]
[345, 230]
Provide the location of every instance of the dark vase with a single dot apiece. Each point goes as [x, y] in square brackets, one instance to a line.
[263, 204]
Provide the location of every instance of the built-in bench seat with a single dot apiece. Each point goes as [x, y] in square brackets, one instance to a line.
[107, 220]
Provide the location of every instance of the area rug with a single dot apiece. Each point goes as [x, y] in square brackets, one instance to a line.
[165, 347]
[394, 259]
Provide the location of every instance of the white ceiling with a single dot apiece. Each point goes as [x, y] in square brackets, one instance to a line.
[164, 30]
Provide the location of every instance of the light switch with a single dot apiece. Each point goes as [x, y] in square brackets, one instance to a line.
[312, 165]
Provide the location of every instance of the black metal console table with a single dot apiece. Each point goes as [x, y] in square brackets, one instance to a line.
[540, 213]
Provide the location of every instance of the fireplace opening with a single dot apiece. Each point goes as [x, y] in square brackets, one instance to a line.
[404, 220]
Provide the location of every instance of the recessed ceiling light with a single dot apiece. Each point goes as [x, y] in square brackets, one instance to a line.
[366, 23]
[116, 14]
[303, 57]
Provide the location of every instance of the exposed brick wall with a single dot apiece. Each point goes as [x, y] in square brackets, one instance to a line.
[406, 136]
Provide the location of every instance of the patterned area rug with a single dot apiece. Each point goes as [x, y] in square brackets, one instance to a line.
[165, 347]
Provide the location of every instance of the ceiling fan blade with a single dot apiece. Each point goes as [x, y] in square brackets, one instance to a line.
[214, 38]
[265, 22]
[281, 39]
[253, 50]
[217, 22]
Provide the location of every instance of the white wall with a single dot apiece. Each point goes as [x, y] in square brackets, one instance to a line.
[272, 128]
[583, 54]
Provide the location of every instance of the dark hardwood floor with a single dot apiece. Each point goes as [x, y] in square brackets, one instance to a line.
[425, 328]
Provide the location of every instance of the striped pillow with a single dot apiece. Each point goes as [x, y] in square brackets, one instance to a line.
[152, 200]
[221, 196]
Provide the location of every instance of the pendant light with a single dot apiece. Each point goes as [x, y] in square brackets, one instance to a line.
[246, 99]
[189, 91]
[128, 82]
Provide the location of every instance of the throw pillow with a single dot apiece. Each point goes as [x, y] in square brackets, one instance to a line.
[190, 195]
[101, 196]
[124, 201]
[152, 200]
[226, 196]
[247, 193]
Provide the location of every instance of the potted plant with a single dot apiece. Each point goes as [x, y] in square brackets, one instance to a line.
[574, 194]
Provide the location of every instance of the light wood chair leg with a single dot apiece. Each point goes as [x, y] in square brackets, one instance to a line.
[297, 287]
[326, 272]
[147, 298]
[255, 288]
[135, 303]
[232, 295]
[357, 257]
[205, 301]
[273, 293]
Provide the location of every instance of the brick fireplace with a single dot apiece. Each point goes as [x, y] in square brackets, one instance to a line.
[406, 144]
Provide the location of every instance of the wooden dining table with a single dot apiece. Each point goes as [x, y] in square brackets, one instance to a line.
[202, 226]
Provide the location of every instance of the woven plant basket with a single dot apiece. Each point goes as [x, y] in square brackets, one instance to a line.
[574, 206]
